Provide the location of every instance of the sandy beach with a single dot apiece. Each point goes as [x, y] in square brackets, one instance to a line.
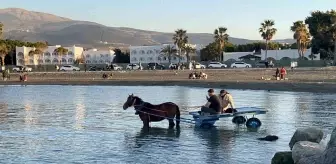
[301, 79]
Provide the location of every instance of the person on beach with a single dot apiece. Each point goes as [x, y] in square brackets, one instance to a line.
[213, 105]
[227, 103]
[277, 73]
[283, 72]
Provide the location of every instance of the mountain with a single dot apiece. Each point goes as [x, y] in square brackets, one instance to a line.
[34, 26]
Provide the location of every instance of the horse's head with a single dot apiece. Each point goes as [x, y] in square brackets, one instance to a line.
[129, 102]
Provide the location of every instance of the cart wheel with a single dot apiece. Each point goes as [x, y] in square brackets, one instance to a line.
[238, 120]
[206, 125]
[253, 123]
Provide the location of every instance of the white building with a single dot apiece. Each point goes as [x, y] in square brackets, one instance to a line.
[94, 56]
[49, 57]
[271, 55]
[153, 54]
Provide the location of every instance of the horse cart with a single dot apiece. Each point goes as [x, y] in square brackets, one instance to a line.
[240, 117]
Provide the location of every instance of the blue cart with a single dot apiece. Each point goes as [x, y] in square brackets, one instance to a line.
[239, 117]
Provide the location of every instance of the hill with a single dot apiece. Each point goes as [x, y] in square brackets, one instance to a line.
[34, 26]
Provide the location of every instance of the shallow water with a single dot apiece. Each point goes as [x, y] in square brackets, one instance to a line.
[86, 124]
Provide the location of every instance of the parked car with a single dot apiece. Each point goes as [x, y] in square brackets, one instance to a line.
[22, 69]
[133, 67]
[116, 67]
[69, 68]
[262, 64]
[153, 66]
[95, 68]
[199, 66]
[240, 65]
[217, 65]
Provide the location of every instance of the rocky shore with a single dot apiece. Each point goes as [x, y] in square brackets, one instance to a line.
[307, 147]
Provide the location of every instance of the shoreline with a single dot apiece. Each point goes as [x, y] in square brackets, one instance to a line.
[313, 87]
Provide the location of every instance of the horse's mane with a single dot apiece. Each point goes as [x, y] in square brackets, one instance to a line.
[141, 100]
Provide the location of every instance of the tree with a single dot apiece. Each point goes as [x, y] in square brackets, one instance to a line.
[267, 32]
[180, 39]
[169, 51]
[221, 38]
[332, 31]
[1, 30]
[121, 57]
[60, 52]
[302, 36]
[189, 50]
[210, 52]
[3, 52]
[320, 25]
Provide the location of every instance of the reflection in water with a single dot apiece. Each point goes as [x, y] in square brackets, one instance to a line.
[3, 112]
[42, 128]
[80, 115]
[218, 143]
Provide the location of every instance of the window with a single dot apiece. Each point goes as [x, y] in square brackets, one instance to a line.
[107, 55]
[164, 58]
[174, 58]
[70, 60]
[95, 62]
[134, 52]
[64, 60]
[88, 56]
[55, 61]
[21, 61]
[70, 53]
[149, 52]
[47, 61]
[54, 53]
[157, 51]
[47, 54]
[88, 62]
[159, 58]
[141, 59]
[142, 52]
[134, 59]
[150, 58]
[20, 55]
[101, 61]
[31, 61]
[101, 55]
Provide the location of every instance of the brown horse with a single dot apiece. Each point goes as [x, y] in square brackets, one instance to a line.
[154, 113]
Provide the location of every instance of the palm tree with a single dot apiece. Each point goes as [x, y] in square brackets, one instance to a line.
[189, 50]
[169, 51]
[3, 52]
[1, 30]
[221, 38]
[302, 36]
[180, 39]
[267, 32]
[61, 51]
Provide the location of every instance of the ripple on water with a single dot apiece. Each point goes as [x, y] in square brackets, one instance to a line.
[86, 124]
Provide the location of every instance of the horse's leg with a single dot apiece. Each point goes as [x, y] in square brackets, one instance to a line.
[171, 122]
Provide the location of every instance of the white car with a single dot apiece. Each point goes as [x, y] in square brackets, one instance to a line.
[133, 67]
[69, 68]
[199, 66]
[116, 67]
[240, 65]
[216, 65]
[22, 68]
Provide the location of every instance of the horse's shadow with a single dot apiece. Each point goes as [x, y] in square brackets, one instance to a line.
[149, 135]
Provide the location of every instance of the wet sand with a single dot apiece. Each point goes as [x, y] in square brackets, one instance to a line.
[301, 80]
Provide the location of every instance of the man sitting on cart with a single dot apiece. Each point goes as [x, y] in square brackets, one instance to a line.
[213, 105]
[227, 103]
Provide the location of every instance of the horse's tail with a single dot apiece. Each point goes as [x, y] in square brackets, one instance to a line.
[177, 116]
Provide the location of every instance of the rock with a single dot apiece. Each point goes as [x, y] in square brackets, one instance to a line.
[306, 134]
[305, 149]
[332, 140]
[282, 158]
[329, 156]
[315, 159]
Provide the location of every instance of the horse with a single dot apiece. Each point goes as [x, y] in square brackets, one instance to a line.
[154, 113]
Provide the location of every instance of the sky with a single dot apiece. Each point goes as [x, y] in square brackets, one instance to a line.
[242, 18]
